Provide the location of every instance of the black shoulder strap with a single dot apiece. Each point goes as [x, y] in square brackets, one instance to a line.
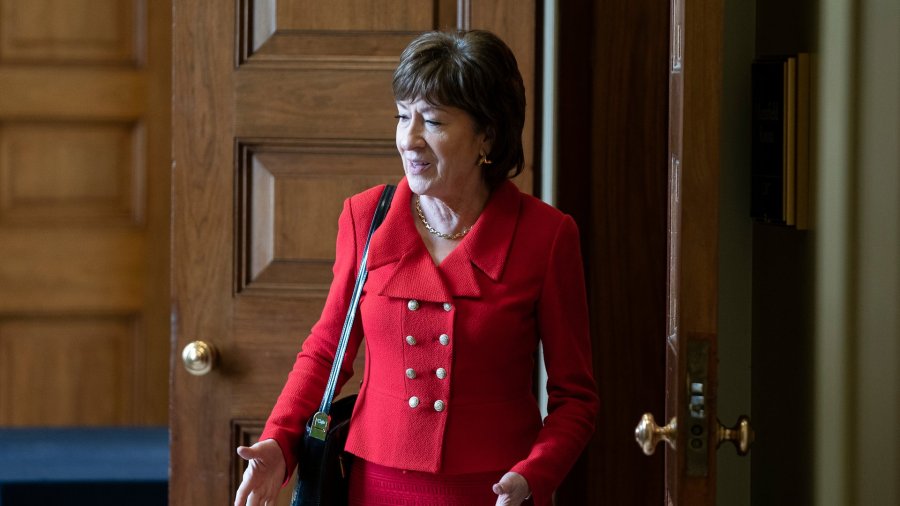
[384, 203]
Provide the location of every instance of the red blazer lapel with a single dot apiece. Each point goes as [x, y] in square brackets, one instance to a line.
[393, 238]
[489, 241]
[414, 275]
[486, 247]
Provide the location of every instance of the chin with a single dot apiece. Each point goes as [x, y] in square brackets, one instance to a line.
[418, 184]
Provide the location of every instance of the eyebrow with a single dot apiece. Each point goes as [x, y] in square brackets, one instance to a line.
[427, 108]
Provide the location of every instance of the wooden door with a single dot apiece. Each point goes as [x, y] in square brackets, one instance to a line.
[84, 163]
[639, 171]
[281, 110]
[692, 283]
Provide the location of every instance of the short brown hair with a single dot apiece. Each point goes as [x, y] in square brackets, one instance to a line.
[477, 72]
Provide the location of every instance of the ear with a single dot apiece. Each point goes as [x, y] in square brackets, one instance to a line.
[487, 142]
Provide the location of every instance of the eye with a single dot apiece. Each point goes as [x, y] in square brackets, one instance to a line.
[431, 122]
[401, 117]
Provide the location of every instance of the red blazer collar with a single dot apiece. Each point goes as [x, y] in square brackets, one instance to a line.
[486, 248]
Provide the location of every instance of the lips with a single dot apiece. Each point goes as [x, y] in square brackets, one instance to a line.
[417, 166]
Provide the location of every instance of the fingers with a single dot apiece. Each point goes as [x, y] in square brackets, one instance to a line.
[240, 498]
[255, 497]
[502, 497]
[511, 490]
[248, 452]
[267, 451]
[262, 477]
[258, 499]
[257, 451]
[253, 493]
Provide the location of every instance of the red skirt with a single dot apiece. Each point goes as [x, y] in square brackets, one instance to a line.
[375, 485]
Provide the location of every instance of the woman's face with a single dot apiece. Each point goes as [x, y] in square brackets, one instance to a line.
[440, 147]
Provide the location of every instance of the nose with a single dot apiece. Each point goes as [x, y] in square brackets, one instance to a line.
[409, 136]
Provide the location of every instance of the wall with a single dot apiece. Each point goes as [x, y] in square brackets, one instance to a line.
[735, 241]
[765, 283]
[781, 321]
[858, 323]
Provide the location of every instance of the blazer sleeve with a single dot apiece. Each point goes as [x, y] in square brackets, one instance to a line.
[305, 385]
[565, 336]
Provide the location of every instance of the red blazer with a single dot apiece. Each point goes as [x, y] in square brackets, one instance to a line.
[450, 349]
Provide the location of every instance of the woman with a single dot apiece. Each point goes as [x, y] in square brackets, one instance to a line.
[466, 277]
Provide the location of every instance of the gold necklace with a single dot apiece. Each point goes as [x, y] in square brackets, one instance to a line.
[459, 235]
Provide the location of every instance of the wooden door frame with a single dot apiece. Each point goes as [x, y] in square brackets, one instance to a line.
[202, 111]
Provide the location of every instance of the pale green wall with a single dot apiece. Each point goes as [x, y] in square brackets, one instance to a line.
[858, 302]
[735, 241]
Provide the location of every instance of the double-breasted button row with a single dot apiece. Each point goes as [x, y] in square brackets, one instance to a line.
[413, 305]
[439, 405]
[444, 339]
[440, 372]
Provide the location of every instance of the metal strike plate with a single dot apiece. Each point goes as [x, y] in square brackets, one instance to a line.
[697, 426]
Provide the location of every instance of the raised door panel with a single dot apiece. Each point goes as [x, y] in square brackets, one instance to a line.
[67, 371]
[290, 197]
[65, 173]
[336, 33]
[71, 31]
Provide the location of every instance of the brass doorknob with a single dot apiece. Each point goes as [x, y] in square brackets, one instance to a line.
[198, 357]
[648, 434]
[741, 435]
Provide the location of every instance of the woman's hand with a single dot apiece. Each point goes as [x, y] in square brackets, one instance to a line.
[263, 477]
[512, 490]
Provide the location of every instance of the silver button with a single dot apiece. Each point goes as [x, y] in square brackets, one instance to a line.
[411, 373]
[439, 406]
[413, 401]
[413, 305]
[410, 340]
[448, 306]
[441, 373]
[444, 339]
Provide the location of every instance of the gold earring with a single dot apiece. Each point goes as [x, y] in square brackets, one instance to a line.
[484, 160]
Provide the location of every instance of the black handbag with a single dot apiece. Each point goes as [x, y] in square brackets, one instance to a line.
[323, 473]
